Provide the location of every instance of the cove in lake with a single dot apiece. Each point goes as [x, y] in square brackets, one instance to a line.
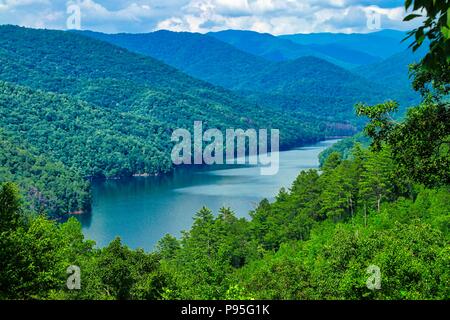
[141, 210]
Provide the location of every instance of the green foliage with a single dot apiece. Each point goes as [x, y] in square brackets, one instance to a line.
[435, 27]
[420, 144]
[345, 147]
[93, 140]
[47, 185]
[434, 69]
[305, 85]
[9, 206]
[315, 241]
[208, 253]
[381, 120]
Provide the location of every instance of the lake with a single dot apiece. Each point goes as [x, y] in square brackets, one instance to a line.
[142, 210]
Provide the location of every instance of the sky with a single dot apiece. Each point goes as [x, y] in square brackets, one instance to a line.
[268, 16]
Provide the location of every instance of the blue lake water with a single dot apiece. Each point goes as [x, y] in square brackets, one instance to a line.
[142, 210]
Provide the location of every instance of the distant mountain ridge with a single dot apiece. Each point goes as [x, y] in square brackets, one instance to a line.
[307, 84]
[96, 105]
[284, 48]
[381, 44]
[196, 54]
[393, 70]
[73, 107]
[147, 98]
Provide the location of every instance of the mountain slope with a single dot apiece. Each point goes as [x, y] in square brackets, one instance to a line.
[198, 55]
[95, 140]
[263, 44]
[308, 85]
[393, 70]
[282, 49]
[78, 98]
[314, 86]
[46, 184]
[114, 78]
[380, 44]
[306, 75]
[346, 56]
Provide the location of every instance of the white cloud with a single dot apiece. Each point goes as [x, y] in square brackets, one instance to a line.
[272, 16]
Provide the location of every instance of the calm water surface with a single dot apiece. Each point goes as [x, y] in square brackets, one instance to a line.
[142, 210]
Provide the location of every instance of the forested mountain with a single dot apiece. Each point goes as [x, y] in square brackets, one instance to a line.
[263, 44]
[370, 224]
[380, 44]
[315, 85]
[198, 55]
[345, 147]
[103, 111]
[49, 186]
[116, 79]
[281, 49]
[393, 71]
[301, 85]
[98, 141]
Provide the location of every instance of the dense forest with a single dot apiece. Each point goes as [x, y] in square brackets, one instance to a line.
[308, 81]
[50, 186]
[116, 79]
[314, 242]
[104, 112]
[379, 199]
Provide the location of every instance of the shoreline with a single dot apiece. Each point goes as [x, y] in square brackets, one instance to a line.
[213, 191]
[174, 167]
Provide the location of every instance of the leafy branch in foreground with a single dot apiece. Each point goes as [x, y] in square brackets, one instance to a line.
[435, 66]
[435, 28]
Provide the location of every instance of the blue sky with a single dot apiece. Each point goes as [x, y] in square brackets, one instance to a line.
[272, 16]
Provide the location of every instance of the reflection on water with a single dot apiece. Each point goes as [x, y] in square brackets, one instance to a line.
[142, 210]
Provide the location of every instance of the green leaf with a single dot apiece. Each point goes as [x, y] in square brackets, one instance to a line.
[445, 32]
[407, 4]
[411, 16]
[448, 17]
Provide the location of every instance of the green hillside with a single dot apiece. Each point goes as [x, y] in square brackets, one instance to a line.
[102, 111]
[100, 142]
[381, 44]
[47, 185]
[371, 223]
[393, 71]
[314, 86]
[281, 49]
[118, 80]
[198, 55]
[302, 85]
